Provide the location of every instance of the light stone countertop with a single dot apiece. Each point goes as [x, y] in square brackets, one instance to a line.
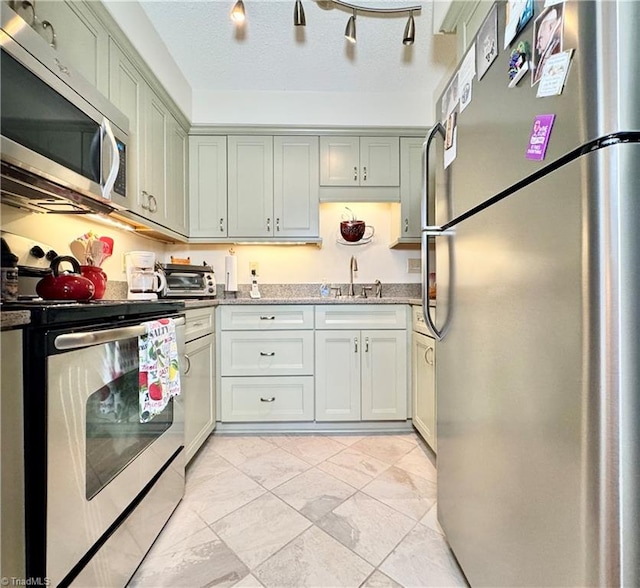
[11, 319]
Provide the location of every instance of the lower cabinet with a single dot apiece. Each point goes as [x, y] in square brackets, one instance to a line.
[361, 375]
[423, 386]
[198, 379]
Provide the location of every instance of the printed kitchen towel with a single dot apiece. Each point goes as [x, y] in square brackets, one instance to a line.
[159, 374]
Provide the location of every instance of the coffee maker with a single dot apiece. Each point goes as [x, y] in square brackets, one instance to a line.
[144, 282]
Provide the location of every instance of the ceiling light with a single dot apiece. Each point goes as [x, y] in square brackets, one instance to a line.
[298, 15]
[409, 31]
[350, 31]
[237, 13]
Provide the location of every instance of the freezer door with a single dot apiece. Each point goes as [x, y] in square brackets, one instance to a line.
[538, 380]
[601, 96]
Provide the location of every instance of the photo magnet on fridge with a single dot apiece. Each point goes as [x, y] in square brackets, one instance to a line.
[487, 43]
[519, 13]
[547, 38]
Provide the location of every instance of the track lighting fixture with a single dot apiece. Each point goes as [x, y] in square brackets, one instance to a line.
[237, 13]
[299, 19]
[409, 31]
[350, 31]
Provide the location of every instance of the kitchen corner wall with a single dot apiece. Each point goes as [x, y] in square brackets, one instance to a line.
[293, 264]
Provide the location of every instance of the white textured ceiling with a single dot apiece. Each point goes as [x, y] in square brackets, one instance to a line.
[269, 55]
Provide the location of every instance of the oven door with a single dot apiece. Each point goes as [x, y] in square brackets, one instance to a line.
[100, 458]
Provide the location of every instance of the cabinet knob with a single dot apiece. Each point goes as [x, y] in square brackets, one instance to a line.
[406, 225]
[355, 341]
[355, 173]
[277, 224]
[222, 225]
[364, 173]
[269, 224]
[153, 203]
[145, 198]
[366, 345]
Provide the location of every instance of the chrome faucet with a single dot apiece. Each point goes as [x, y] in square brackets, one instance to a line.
[353, 267]
[378, 287]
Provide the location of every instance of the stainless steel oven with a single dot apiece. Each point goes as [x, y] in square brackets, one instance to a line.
[99, 484]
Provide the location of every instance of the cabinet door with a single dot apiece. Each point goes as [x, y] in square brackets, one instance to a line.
[250, 196]
[208, 186]
[384, 375]
[379, 161]
[338, 375]
[424, 387]
[199, 393]
[81, 40]
[127, 91]
[339, 161]
[176, 205]
[155, 158]
[295, 186]
[410, 187]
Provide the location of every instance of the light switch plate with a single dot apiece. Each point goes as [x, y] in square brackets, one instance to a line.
[413, 265]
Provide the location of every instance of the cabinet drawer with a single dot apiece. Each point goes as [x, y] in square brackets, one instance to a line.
[267, 399]
[277, 353]
[366, 316]
[418, 322]
[199, 322]
[266, 317]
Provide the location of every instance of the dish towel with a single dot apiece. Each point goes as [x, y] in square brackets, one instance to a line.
[159, 373]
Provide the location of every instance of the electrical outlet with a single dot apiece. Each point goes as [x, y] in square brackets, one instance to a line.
[413, 265]
[253, 266]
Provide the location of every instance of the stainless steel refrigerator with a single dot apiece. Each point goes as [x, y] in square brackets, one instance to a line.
[538, 314]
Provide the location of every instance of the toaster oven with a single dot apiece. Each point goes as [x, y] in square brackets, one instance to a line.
[188, 281]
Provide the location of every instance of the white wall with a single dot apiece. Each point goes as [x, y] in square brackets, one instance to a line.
[292, 264]
[59, 230]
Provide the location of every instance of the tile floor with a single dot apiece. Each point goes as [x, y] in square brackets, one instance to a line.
[297, 511]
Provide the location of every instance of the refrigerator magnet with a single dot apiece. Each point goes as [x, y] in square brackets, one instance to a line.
[554, 74]
[487, 43]
[466, 73]
[519, 13]
[451, 139]
[539, 138]
[547, 37]
[519, 63]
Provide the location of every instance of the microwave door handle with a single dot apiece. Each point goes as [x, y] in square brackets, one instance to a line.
[88, 338]
[107, 187]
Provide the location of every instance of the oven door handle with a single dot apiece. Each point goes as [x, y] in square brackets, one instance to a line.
[86, 339]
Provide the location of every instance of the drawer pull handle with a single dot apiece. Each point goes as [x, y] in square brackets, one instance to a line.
[366, 344]
[355, 344]
[188, 362]
[267, 399]
[267, 353]
[197, 324]
[267, 318]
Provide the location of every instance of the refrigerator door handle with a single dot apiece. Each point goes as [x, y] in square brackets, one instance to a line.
[428, 230]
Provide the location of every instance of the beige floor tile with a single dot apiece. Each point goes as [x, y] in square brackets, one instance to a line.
[206, 466]
[367, 526]
[417, 463]
[383, 447]
[345, 439]
[314, 493]
[226, 492]
[259, 529]
[204, 561]
[379, 580]
[404, 491]
[431, 520]
[249, 581]
[423, 558]
[353, 467]
[312, 449]
[179, 530]
[313, 560]
[237, 450]
[273, 468]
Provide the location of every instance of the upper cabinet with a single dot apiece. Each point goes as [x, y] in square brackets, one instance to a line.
[272, 187]
[208, 186]
[363, 169]
[75, 32]
[359, 161]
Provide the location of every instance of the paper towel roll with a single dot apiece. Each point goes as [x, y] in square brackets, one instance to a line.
[231, 273]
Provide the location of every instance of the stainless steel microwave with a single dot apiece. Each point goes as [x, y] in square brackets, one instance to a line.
[64, 145]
